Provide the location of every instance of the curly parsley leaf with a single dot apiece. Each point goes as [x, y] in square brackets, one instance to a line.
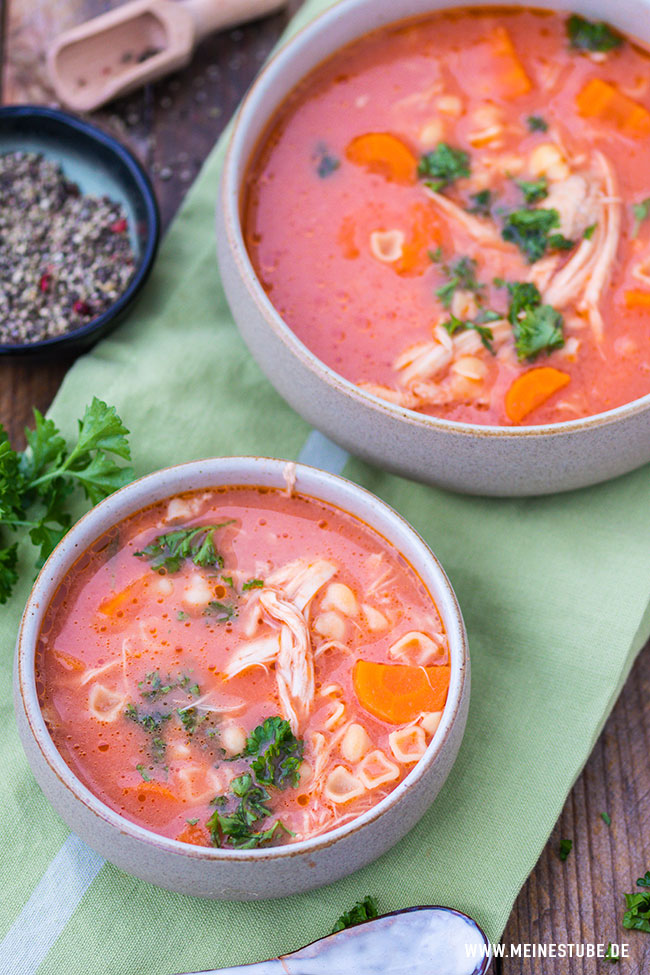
[363, 910]
[253, 584]
[533, 190]
[36, 483]
[278, 753]
[587, 35]
[481, 203]
[564, 849]
[443, 166]
[236, 828]
[536, 123]
[531, 230]
[461, 275]
[168, 552]
[455, 325]
[222, 612]
[537, 327]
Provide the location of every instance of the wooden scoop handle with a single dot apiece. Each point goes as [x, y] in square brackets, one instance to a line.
[213, 15]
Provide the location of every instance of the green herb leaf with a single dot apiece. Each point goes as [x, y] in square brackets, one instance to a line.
[168, 552]
[609, 956]
[539, 330]
[278, 753]
[486, 335]
[222, 612]
[589, 231]
[443, 166]
[586, 35]
[182, 616]
[461, 274]
[143, 772]
[530, 229]
[253, 584]
[533, 190]
[327, 165]
[606, 818]
[481, 203]
[565, 848]
[645, 880]
[640, 211]
[536, 123]
[363, 910]
[236, 829]
[8, 571]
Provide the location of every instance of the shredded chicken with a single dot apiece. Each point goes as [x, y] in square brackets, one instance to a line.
[482, 231]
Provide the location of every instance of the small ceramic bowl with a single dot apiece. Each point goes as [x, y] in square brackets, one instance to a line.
[100, 166]
[235, 874]
[493, 460]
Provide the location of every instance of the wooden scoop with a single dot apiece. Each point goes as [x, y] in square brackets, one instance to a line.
[137, 43]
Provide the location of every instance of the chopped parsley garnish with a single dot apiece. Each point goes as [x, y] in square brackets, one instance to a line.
[587, 35]
[227, 580]
[327, 165]
[486, 335]
[536, 123]
[253, 584]
[589, 231]
[461, 274]
[168, 552]
[531, 230]
[221, 612]
[481, 203]
[236, 829]
[537, 327]
[182, 616]
[533, 190]
[151, 722]
[606, 818]
[278, 753]
[143, 772]
[192, 822]
[565, 848]
[363, 910]
[641, 211]
[610, 956]
[637, 915]
[443, 166]
[190, 718]
[155, 687]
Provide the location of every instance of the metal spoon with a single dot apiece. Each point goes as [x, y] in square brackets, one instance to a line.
[137, 43]
[415, 941]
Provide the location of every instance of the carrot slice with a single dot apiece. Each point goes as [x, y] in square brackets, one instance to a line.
[160, 803]
[384, 154]
[637, 299]
[531, 389]
[598, 99]
[424, 234]
[398, 693]
[512, 79]
[126, 602]
[195, 834]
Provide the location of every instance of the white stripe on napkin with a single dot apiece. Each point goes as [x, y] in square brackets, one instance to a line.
[53, 902]
[59, 892]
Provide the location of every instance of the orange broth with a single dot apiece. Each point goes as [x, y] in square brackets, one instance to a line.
[153, 674]
[355, 250]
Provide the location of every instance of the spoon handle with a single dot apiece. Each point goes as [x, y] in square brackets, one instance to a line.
[212, 15]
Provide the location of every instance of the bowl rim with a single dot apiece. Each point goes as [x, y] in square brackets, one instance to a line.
[71, 123]
[229, 200]
[131, 499]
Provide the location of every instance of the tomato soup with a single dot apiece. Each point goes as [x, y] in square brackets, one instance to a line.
[454, 214]
[241, 667]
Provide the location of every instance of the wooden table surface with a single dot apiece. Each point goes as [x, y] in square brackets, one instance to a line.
[171, 127]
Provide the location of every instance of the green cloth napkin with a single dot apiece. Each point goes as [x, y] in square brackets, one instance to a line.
[555, 593]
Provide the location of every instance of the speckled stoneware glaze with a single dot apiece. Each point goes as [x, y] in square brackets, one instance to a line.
[502, 461]
[234, 874]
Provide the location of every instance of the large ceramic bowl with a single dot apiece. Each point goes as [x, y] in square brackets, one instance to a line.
[234, 874]
[492, 460]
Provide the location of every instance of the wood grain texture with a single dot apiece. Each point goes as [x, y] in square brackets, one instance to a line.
[172, 126]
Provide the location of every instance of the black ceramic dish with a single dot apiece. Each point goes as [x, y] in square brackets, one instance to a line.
[99, 165]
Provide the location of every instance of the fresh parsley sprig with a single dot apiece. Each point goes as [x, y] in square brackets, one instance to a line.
[35, 484]
[531, 230]
[166, 553]
[587, 35]
[363, 910]
[443, 166]
[277, 751]
[637, 915]
[455, 325]
[537, 327]
[235, 829]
